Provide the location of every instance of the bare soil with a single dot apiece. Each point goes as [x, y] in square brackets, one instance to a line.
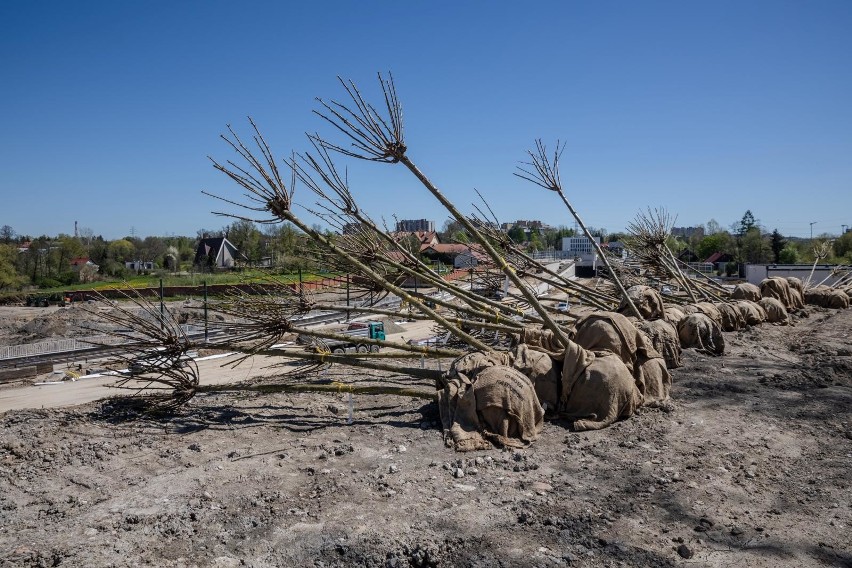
[750, 466]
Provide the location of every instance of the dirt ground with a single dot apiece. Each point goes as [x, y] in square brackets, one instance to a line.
[750, 466]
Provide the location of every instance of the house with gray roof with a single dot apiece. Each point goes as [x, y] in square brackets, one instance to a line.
[216, 253]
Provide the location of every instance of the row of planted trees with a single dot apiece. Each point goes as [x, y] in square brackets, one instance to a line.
[378, 263]
[480, 331]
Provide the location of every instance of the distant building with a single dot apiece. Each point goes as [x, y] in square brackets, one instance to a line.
[687, 255]
[826, 273]
[139, 265]
[79, 262]
[719, 260]
[687, 232]
[351, 228]
[527, 226]
[582, 248]
[217, 252]
[615, 247]
[458, 255]
[444, 253]
[471, 258]
[415, 225]
[84, 267]
[425, 238]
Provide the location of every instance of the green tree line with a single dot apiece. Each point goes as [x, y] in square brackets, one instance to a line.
[46, 261]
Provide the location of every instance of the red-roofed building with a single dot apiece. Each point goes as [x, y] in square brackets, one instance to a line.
[426, 238]
[458, 255]
[84, 267]
[80, 262]
[719, 259]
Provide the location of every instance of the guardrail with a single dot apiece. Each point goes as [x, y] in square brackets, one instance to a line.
[74, 344]
[55, 346]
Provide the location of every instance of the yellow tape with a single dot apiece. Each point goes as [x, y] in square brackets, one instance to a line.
[340, 386]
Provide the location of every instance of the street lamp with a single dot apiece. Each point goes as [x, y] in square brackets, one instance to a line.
[812, 229]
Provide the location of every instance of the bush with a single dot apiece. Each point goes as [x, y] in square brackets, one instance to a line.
[789, 255]
[48, 283]
[67, 278]
[731, 268]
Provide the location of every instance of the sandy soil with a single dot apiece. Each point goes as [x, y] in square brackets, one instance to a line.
[749, 467]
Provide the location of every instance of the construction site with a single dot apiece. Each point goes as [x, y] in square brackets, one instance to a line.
[524, 412]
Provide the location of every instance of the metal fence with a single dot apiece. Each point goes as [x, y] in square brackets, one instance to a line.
[66, 345]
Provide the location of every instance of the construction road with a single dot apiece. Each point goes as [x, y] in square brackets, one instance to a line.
[212, 371]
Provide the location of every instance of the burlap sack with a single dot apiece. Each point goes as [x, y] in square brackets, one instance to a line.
[710, 310]
[776, 313]
[470, 364]
[613, 332]
[457, 400]
[664, 339]
[689, 309]
[732, 318]
[656, 382]
[674, 315]
[460, 422]
[646, 299]
[797, 299]
[746, 291]
[796, 284]
[540, 340]
[797, 292]
[509, 412]
[827, 297]
[542, 371]
[752, 312]
[777, 287]
[700, 332]
[597, 389]
[617, 334]
[484, 401]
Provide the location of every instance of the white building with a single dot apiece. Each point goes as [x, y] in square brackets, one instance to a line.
[822, 273]
[580, 246]
[139, 265]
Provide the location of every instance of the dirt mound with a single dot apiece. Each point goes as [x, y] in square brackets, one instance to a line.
[44, 327]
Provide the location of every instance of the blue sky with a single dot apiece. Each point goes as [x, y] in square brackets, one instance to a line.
[110, 109]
